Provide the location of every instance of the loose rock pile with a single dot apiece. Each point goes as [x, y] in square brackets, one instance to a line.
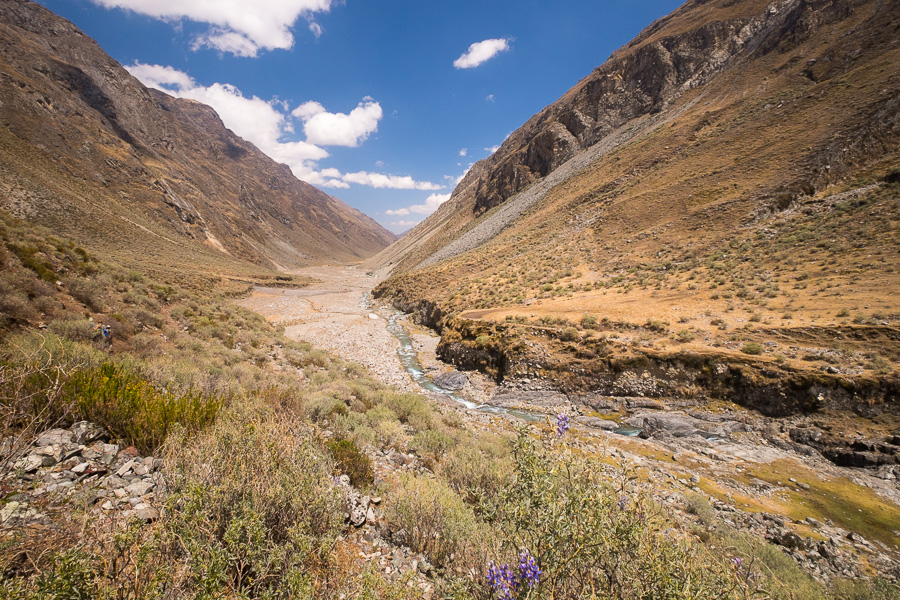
[78, 465]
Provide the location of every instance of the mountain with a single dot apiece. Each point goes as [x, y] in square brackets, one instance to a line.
[712, 211]
[89, 151]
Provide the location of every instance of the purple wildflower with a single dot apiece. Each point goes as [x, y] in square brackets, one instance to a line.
[502, 580]
[528, 569]
[562, 424]
[622, 502]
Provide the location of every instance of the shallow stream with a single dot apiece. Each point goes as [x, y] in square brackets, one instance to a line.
[410, 360]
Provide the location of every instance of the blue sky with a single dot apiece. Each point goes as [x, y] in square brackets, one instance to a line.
[384, 104]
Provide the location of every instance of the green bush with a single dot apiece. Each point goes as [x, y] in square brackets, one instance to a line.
[593, 538]
[133, 409]
[430, 442]
[752, 348]
[351, 460]
[252, 509]
[569, 334]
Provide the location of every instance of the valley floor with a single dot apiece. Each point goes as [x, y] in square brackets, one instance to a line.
[832, 521]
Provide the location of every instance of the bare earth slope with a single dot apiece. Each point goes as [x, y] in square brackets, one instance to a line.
[86, 149]
[713, 212]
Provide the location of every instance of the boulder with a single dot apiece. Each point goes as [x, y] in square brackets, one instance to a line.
[452, 380]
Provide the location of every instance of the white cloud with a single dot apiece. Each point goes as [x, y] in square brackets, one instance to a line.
[430, 205]
[236, 26]
[338, 129]
[267, 124]
[463, 151]
[396, 182]
[405, 223]
[489, 98]
[479, 52]
[160, 77]
[492, 149]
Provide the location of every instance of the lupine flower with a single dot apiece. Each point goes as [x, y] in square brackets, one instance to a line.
[502, 580]
[562, 424]
[528, 569]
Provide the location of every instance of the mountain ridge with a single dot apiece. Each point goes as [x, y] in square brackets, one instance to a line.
[171, 162]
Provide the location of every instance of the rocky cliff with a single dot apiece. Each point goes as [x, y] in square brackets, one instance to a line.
[90, 151]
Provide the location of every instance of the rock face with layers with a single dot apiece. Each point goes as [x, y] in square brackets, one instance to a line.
[87, 149]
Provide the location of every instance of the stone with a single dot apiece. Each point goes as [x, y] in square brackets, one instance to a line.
[452, 380]
[29, 464]
[124, 469]
[597, 423]
[370, 515]
[138, 488]
[145, 512]
[54, 437]
[81, 468]
[85, 432]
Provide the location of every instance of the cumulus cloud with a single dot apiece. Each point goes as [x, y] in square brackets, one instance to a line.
[430, 205]
[463, 151]
[479, 52]
[339, 129]
[396, 182]
[405, 223]
[237, 26]
[269, 125]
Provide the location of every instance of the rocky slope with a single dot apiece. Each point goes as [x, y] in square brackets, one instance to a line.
[90, 151]
[695, 64]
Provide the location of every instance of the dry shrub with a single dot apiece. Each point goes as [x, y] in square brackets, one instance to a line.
[437, 522]
[252, 510]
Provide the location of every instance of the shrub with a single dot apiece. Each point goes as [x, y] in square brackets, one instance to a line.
[350, 460]
[436, 520]
[752, 348]
[252, 508]
[477, 471]
[569, 334]
[589, 322]
[430, 442]
[686, 335]
[131, 408]
[86, 291]
[591, 538]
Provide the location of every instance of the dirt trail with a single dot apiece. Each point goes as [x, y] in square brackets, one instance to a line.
[332, 314]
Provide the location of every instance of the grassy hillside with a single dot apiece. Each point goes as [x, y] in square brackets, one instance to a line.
[753, 219]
